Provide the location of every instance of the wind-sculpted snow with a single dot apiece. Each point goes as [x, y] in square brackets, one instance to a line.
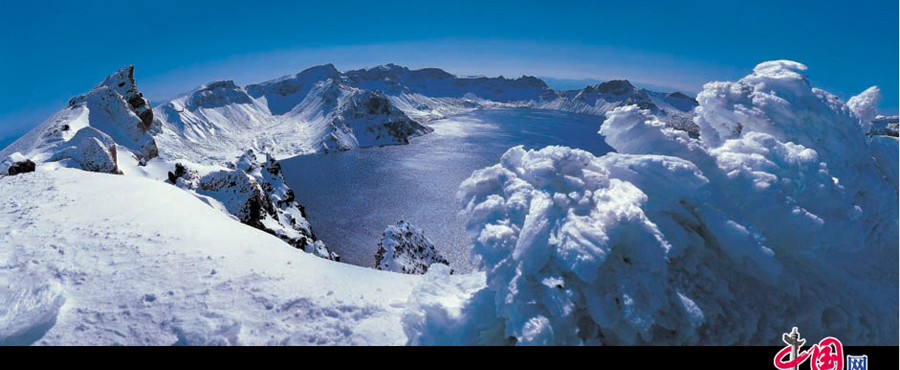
[782, 214]
[29, 305]
[865, 105]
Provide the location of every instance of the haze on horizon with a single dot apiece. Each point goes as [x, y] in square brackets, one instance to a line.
[53, 51]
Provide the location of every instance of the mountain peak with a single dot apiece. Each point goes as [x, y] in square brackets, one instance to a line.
[323, 69]
[615, 87]
[220, 84]
[122, 82]
[217, 94]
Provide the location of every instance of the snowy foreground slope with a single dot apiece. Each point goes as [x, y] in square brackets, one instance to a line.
[783, 214]
[101, 259]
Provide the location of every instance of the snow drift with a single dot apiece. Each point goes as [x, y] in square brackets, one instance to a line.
[98, 259]
[783, 213]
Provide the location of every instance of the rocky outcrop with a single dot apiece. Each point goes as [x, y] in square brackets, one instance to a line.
[885, 125]
[405, 249]
[433, 82]
[119, 110]
[255, 192]
[184, 177]
[375, 121]
[616, 87]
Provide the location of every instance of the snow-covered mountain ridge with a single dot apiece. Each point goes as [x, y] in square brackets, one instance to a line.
[112, 129]
[322, 109]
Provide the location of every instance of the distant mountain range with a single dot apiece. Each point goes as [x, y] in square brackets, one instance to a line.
[320, 110]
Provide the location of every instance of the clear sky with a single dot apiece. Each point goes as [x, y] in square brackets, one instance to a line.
[52, 50]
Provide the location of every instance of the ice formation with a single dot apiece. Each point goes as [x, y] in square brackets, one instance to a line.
[783, 213]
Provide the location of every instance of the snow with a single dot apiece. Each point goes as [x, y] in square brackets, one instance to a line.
[885, 125]
[779, 211]
[103, 259]
[29, 305]
[88, 131]
[91, 150]
[783, 213]
[317, 110]
[405, 249]
[865, 105]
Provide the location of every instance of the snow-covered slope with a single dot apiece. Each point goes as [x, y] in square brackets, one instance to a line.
[101, 259]
[111, 129]
[783, 214]
[253, 189]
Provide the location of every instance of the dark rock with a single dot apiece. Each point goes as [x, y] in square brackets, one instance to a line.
[615, 87]
[21, 167]
[641, 101]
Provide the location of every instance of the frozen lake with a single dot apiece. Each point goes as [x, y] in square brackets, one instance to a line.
[350, 197]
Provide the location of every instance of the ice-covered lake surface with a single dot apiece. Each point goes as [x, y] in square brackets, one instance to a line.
[351, 197]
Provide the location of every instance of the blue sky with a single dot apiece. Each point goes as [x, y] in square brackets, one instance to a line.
[50, 51]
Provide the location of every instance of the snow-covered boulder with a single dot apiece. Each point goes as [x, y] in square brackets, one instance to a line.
[91, 150]
[781, 215]
[405, 249]
[319, 249]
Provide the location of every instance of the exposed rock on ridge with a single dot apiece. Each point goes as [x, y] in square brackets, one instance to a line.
[407, 250]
